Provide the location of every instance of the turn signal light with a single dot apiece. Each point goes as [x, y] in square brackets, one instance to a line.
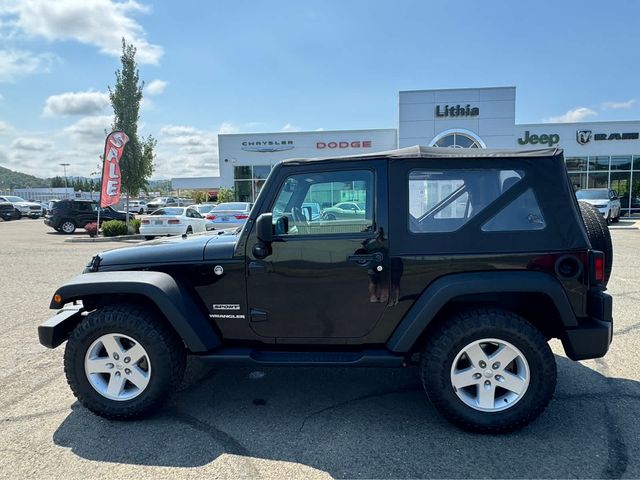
[144, 221]
[241, 217]
[210, 216]
[57, 298]
[173, 221]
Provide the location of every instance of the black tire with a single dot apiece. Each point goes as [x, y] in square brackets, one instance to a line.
[149, 237]
[461, 329]
[166, 355]
[599, 235]
[17, 214]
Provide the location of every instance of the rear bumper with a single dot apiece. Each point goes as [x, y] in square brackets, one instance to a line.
[57, 328]
[591, 339]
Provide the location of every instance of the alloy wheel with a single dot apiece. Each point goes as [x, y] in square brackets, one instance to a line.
[117, 367]
[490, 375]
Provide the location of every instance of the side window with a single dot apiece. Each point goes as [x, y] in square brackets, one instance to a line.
[314, 203]
[443, 201]
[84, 207]
[522, 214]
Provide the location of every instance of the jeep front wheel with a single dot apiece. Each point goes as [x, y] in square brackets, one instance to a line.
[122, 362]
[488, 370]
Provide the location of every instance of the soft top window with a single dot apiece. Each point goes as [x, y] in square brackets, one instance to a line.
[444, 200]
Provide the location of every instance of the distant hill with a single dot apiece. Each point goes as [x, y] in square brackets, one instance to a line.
[12, 179]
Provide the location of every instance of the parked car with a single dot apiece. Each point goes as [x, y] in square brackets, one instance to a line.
[136, 206]
[204, 209]
[344, 211]
[172, 221]
[7, 211]
[228, 215]
[22, 207]
[67, 215]
[160, 202]
[604, 199]
[471, 298]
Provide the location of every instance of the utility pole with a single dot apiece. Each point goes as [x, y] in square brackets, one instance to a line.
[65, 165]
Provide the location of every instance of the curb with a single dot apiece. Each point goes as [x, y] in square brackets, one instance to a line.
[122, 238]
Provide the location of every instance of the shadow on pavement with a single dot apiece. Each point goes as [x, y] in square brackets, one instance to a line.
[367, 423]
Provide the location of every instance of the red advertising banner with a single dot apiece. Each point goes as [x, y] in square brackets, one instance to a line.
[111, 181]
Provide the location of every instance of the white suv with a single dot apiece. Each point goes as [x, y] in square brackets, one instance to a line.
[604, 199]
[22, 207]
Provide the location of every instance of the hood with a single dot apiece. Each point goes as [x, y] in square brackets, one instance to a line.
[172, 250]
[596, 201]
[28, 204]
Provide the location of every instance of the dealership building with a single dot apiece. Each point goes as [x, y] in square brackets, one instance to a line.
[598, 154]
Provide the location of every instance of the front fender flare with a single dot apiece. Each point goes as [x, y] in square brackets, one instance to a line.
[162, 289]
[446, 288]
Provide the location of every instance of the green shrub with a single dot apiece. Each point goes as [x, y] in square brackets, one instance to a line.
[114, 228]
[134, 226]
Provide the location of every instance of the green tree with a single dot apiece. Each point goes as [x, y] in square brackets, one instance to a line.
[226, 195]
[136, 165]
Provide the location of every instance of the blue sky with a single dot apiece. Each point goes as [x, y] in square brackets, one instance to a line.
[246, 66]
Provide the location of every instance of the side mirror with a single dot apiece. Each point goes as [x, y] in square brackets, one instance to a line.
[264, 228]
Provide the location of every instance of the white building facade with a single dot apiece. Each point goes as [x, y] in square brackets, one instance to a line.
[598, 154]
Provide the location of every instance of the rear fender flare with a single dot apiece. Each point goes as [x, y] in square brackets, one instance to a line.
[444, 289]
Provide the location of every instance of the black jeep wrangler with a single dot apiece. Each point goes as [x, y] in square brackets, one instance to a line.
[465, 262]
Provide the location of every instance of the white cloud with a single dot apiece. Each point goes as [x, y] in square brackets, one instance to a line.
[31, 144]
[290, 128]
[618, 105]
[575, 115]
[76, 103]
[228, 127]
[155, 87]
[102, 23]
[90, 131]
[5, 128]
[17, 63]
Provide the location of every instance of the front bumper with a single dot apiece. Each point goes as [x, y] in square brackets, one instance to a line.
[56, 329]
[591, 339]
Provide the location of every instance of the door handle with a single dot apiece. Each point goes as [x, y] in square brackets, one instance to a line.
[365, 259]
[255, 268]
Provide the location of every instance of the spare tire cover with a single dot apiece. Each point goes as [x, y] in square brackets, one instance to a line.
[599, 235]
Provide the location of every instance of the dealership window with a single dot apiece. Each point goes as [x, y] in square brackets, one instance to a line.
[576, 163]
[618, 172]
[598, 163]
[457, 139]
[248, 181]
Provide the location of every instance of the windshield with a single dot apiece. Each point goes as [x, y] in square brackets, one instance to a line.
[15, 199]
[231, 206]
[205, 208]
[169, 211]
[593, 194]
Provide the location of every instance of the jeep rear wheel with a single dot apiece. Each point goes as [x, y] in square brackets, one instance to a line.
[122, 362]
[488, 370]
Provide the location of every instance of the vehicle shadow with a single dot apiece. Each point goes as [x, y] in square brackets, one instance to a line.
[371, 423]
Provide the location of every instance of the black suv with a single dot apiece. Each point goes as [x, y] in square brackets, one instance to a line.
[67, 215]
[463, 262]
[7, 211]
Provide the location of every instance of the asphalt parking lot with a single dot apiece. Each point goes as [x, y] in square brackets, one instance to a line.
[297, 422]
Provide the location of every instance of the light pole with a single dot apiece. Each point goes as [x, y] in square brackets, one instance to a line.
[65, 165]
